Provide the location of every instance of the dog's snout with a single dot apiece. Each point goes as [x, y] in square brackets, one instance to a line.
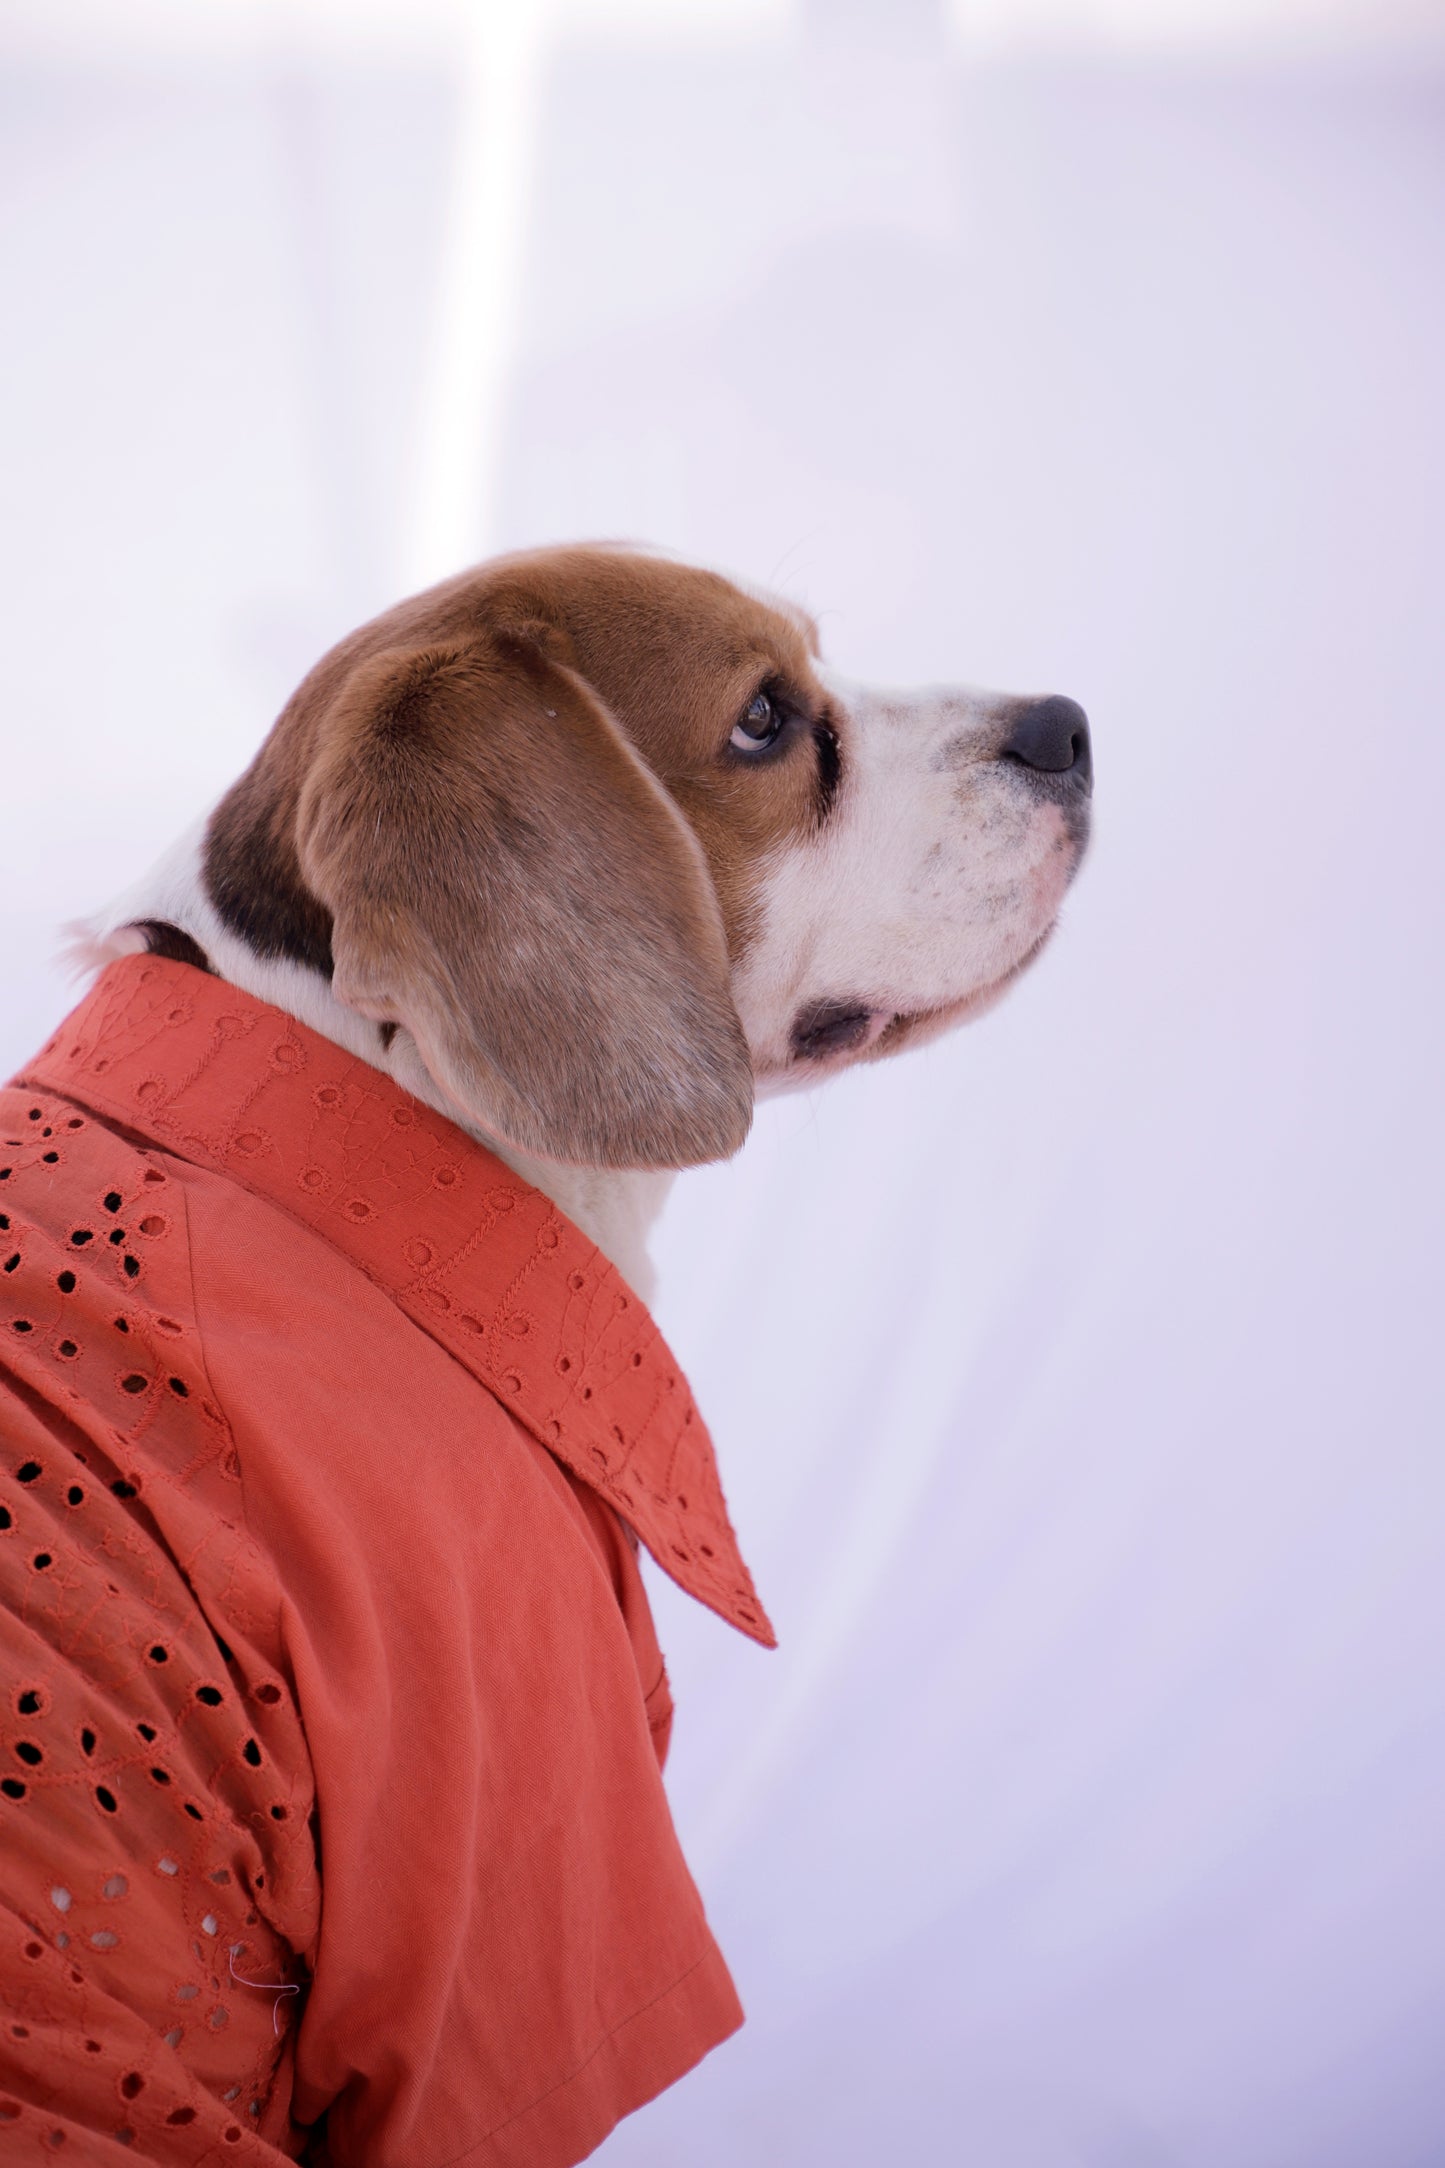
[1052, 737]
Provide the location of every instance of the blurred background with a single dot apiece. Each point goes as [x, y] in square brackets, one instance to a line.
[1076, 1383]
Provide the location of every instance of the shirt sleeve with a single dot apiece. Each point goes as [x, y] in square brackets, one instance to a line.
[512, 1954]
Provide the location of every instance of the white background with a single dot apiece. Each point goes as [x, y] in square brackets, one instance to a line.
[1076, 1384]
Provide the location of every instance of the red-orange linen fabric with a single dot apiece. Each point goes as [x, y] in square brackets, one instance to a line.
[333, 1714]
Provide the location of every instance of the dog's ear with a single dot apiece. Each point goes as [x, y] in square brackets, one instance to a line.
[509, 880]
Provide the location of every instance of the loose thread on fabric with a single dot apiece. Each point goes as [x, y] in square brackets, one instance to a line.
[278, 1988]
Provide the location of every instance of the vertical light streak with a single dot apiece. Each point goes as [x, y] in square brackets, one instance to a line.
[453, 514]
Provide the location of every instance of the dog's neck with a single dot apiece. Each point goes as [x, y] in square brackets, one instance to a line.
[615, 1208]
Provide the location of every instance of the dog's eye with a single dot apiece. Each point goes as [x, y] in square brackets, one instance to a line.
[758, 725]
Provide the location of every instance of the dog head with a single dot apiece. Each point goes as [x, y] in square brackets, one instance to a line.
[601, 834]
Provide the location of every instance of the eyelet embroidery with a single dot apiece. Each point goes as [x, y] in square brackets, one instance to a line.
[134, 1774]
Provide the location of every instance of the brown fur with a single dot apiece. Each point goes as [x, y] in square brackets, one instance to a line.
[506, 814]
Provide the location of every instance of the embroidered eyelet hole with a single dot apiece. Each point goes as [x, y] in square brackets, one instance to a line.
[154, 1224]
[112, 1200]
[42, 1561]
[22, 1324]
[69, 1349]
[279, 1814]
[269, 1692]
[357, 1209]
[27, 1751]
[65, 1281]
[706, 1549]
[11, 1263]
[87, 1740]
[104, 1938]
[116, 1237]
[122, 1489]
[159, 1775]
[51, 1159]
[7, 1520]
[116, 1886]
[636, 1362]
[133, 1382]
[168, 1326]
[195, 1812]
[106, 1799]
[29, 1471]
[179, 2117]
[548, 1238]
[131, 1265]
[576, 1282]
[121, 1324]
[328, 1096]
[147, 1732]
[75, 1496]
[158, 1653]
[179, 1387]
[586, 1393]
[132, 2085]
[251, 1753]
[564, 1364]
[12, 1787]
[512, 1382]
[210, 1695]
[445, 1178]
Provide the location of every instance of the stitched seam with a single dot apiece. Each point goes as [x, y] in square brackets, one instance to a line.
[572, 2075]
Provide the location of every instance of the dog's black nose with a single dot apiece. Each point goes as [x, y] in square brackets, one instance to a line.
[1052, 736]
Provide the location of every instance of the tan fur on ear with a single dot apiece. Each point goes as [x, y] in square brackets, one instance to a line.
[509, 880]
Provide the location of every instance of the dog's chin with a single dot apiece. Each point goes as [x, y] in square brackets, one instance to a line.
[888, 1031]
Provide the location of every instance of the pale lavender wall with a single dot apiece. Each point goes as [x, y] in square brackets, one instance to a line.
[1076, 1384]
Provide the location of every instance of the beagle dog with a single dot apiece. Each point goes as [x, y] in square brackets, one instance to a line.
[587, 849]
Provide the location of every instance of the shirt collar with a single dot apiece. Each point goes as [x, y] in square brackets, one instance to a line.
[482, 1262]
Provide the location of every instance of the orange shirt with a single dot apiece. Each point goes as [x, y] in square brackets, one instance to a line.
[333, 1713]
